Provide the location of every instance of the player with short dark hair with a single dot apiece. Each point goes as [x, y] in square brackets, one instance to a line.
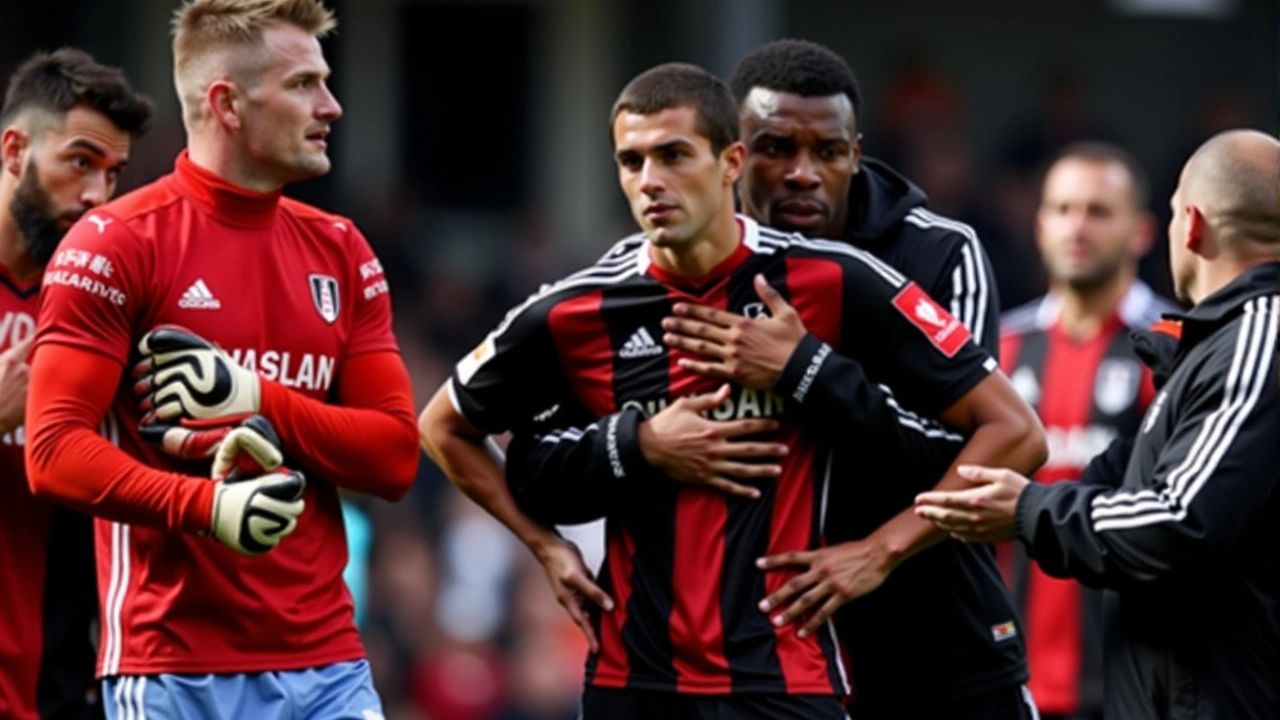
[1070, 356]
[1184, 540]
[66, 128]
[212, 302]
[667, 87]
[683, 642]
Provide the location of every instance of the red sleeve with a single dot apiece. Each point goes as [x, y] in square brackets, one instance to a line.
[368, 443]
[371, 327]
[69, 461]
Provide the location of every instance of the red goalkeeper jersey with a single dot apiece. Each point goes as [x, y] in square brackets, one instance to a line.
[287, 290]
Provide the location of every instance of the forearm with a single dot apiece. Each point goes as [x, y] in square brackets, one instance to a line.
[475, 470]
[69, 461]
[370, 449]
[1008, 443]
[573, 475]
[80, 469]
[835, 395]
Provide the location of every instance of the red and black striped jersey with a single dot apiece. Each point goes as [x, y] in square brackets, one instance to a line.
[585, 353]
[47, 596]
[1087, 392]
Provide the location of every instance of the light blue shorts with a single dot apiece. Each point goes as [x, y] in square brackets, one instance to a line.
[343, 691]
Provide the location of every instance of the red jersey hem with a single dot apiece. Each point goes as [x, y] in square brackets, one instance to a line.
[255, 663]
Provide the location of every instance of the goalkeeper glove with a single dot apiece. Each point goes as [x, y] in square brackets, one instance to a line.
[257, 501]
[182, 375]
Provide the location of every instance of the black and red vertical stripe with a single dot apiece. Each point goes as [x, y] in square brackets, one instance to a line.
[680, 561]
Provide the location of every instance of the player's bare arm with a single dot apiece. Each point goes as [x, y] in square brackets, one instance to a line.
[999, 424]
[460, 449]
[13, 385]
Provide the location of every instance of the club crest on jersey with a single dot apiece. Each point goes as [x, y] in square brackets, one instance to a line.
[944, 331]
[756, 310]
[1117, 384]
[324, 293]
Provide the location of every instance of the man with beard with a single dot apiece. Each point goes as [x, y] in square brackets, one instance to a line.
[67, 125]
[1070, 357]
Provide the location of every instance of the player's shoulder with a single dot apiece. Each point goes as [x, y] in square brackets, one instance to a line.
[123, 222]
[321, 222]
[142, 201]
[623, 262]
[924, 224]
[1142, 307]
[771, 241]
[930, 235]
[1029, 318]
[133, 209]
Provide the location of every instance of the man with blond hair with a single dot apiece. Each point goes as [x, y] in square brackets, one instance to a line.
[241, 326]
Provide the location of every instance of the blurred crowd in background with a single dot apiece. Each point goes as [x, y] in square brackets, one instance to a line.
[457, 617]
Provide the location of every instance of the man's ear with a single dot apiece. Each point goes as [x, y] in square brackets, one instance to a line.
[734, 156]
[224, 100]
[1197, 224]
[14, 143]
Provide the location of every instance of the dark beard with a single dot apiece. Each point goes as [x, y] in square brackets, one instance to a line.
[36, 218]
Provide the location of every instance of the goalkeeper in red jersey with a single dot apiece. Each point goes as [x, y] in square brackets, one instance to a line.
[224, 598]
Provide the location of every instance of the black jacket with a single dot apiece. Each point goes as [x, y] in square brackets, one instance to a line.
[944, 618]
[1190, 541]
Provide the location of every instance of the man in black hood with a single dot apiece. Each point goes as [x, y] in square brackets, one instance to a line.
[940, 637]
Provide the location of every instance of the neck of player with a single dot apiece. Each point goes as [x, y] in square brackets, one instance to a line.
[696, 258]
[13, 251]
[1084, 312]
[222, 160]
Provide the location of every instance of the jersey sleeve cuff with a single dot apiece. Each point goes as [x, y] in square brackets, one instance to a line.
[622, 445]
[802, 368]
[462, 403]
[197, 514]
[1030, 501]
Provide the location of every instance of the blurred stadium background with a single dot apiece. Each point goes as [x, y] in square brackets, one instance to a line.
[474, 154]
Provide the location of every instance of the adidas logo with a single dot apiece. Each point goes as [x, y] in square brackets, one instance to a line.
[639, 345]
[198, 297]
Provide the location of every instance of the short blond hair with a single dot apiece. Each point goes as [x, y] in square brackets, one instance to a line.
[217, 38]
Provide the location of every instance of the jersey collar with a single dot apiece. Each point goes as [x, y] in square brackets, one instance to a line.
[749, 244]
[227, 202]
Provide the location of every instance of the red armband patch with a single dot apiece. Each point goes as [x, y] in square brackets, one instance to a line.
[944, 331]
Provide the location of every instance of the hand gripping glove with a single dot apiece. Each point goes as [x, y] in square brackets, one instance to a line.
[257, 501]
[183, 376]
[188, 439]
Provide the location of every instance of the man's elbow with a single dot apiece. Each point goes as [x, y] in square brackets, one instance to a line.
[402, 468]
[1032, 445]
[40, 458]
